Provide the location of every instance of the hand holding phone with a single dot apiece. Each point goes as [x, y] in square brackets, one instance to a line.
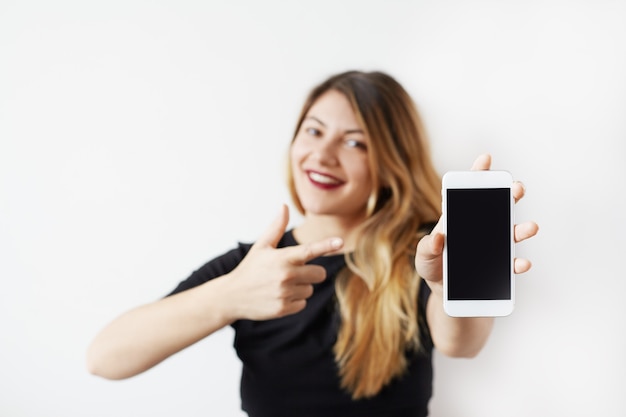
[478, 255]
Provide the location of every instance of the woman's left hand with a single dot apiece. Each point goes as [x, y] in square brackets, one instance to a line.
[428, 257]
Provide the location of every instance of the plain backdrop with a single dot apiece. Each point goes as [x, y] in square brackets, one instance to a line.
[139, 139]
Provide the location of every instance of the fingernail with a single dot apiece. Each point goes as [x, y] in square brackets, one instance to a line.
[336, 243]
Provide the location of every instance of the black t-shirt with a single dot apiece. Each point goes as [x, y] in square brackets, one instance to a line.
[289, 368]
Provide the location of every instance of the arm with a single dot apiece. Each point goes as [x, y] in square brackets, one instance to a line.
[454, 336]
[268, 283]
[145, 336]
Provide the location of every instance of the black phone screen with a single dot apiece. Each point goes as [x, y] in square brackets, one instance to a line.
[479, 244]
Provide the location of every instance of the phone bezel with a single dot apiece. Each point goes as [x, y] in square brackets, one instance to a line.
[477, 180]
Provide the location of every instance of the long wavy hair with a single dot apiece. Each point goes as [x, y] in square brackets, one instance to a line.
[378, 291]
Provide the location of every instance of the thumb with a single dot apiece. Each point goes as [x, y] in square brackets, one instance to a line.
[482, 163]
[428, 257]
[430, 246]
[275, 231]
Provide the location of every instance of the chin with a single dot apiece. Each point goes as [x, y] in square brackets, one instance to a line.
[318, 211]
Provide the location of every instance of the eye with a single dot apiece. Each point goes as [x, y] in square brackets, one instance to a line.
[353, 143]
[313, 131]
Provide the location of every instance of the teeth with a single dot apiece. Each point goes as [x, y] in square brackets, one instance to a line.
[322, 178]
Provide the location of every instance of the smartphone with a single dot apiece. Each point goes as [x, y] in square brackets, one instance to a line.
[478, 254]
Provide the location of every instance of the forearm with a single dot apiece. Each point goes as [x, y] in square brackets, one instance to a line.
[145, 336]
[456, 336]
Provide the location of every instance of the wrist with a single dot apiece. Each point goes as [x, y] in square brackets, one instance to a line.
[436, 289]
[218, 297]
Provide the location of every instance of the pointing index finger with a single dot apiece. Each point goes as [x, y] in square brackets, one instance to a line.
[301, 254]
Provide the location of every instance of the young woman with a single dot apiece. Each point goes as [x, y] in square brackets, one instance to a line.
[338, 316]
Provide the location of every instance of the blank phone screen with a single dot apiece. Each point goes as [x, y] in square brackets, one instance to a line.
[479, 244]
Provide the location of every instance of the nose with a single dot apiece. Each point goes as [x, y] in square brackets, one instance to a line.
[325, 151]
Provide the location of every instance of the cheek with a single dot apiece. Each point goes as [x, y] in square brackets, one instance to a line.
[365, 183]
[296, 156]
[296, 151]
[361, 171]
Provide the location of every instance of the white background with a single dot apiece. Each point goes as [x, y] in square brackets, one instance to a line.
[138, 139]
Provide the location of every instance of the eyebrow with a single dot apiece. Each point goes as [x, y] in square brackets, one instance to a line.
[324, 124]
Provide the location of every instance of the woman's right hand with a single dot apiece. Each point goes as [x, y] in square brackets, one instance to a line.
[268, 283]
[273, 282]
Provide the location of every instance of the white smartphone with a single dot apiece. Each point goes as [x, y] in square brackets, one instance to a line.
[478, 254]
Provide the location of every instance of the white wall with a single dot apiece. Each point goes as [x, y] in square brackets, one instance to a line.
[139, 139]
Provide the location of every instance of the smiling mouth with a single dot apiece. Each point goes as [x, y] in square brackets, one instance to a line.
[323, 181]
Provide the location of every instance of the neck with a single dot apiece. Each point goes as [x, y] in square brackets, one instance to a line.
[317, 227]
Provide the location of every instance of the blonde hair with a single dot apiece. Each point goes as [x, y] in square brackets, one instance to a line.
[377, 294]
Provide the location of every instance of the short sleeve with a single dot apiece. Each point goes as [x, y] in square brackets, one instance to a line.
[216, 267]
